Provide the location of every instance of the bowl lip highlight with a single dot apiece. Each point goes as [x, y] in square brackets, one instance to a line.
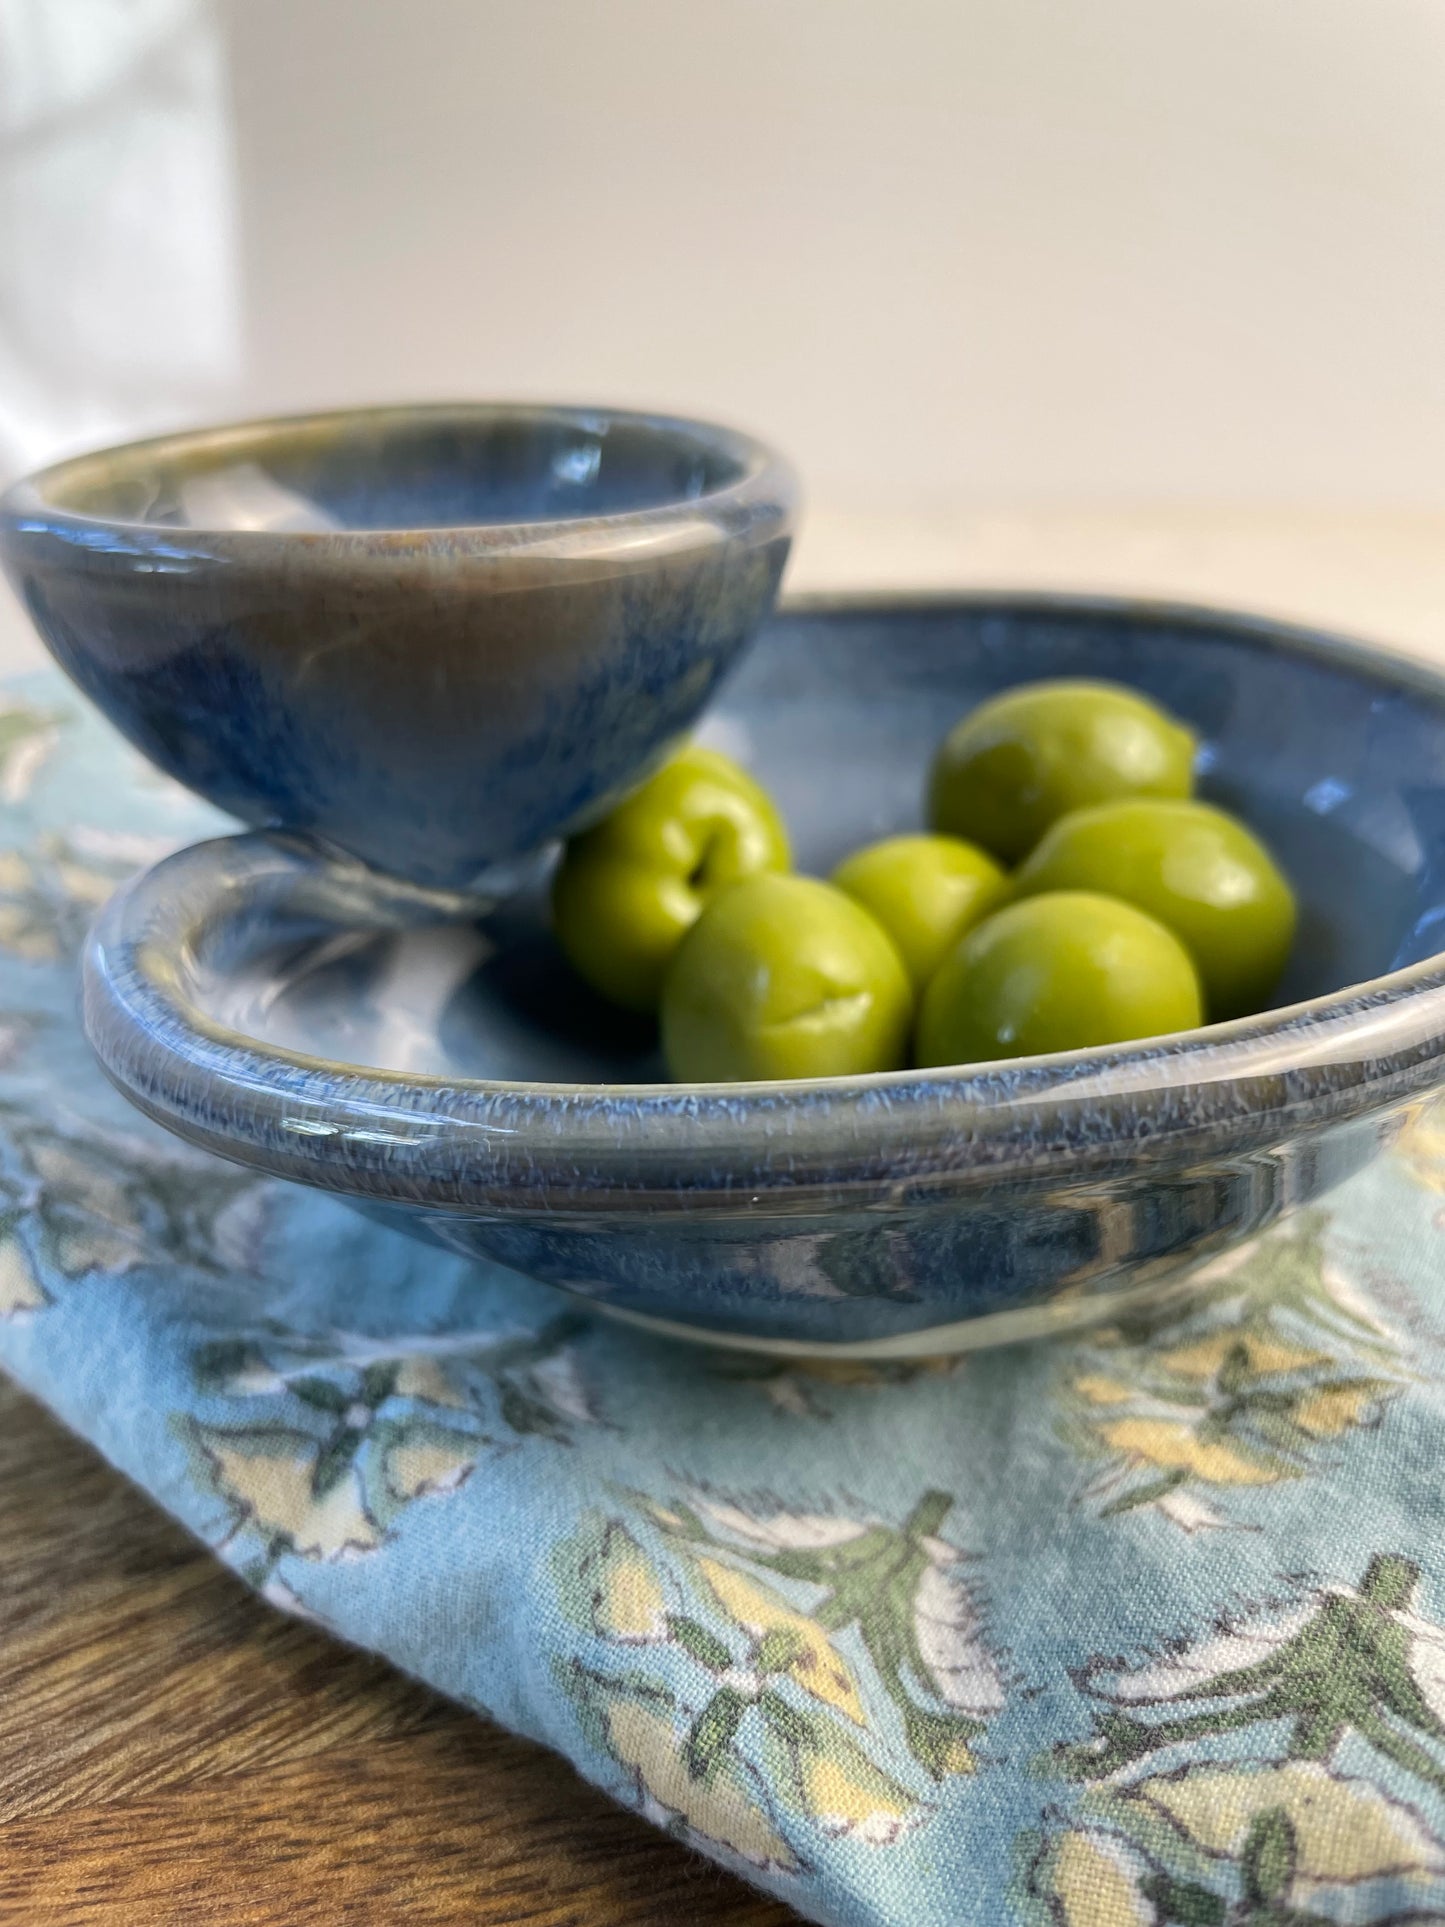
[765, 491]
[515, 1148]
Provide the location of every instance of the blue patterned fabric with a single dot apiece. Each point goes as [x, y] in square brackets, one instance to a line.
[1139, 1629]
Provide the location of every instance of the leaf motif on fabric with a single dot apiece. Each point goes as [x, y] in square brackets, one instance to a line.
[1341, 1664]
[790, 1689]
[779, 1530]
[1250, 1843]
[717, 1809]
[1192, 1671]
[951, 1645]
[94, 1223]
[760, 1666]
[379, 1431]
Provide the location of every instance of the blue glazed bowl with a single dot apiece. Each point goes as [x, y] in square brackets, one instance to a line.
[307, 1020]
[432, 638]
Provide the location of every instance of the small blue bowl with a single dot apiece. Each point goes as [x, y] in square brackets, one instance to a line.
[303, 1018]
[431, 638]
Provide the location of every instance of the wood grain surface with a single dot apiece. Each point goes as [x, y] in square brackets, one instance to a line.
[172, 1750]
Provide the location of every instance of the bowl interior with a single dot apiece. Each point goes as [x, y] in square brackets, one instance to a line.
[415, 468]
[1336, 759]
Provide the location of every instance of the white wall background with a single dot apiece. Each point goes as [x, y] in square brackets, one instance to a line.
[941, 249]
[947, 252]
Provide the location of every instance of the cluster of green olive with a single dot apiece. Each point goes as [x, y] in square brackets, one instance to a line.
[1071, 894]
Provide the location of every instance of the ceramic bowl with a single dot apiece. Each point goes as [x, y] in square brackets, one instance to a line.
[298, 1017]
[432, 638]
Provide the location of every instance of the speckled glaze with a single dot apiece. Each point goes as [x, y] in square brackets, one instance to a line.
[305, 1019]
[430, 637]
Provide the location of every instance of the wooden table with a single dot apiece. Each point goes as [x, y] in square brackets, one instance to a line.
[171, 1750]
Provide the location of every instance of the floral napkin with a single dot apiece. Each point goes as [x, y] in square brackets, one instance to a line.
[1140, 1629]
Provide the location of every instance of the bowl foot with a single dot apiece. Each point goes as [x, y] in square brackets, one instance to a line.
[1053, 1320]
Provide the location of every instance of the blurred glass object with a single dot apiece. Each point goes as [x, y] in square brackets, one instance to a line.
[119, 277]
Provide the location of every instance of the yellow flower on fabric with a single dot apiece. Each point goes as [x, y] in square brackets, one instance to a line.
[1263, 1352]
[1421, 1146]
[841, 1790]
[20, 1289]
[957, 1757]
[429, 1463]
[1334, 1409]
[83, 885]
[629, 1602]
[839, 1371]
[422, 1377]
[1345, 1830]
[1170, 1445]
[25, 937]
[269, 1477]
[1100, 1390]
[27, 930]
[814, 1663]
[717, 1807]
[102, 1231]
[1090, 1881]
[27, 737]
[843, 1800]
[1231, 1385]
[665, 1517]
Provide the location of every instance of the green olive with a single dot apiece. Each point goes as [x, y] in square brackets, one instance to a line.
[926, 891]
[783, 977]
[1057, 973]
[1198, 871]
[628, 890]
[1024, 759]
